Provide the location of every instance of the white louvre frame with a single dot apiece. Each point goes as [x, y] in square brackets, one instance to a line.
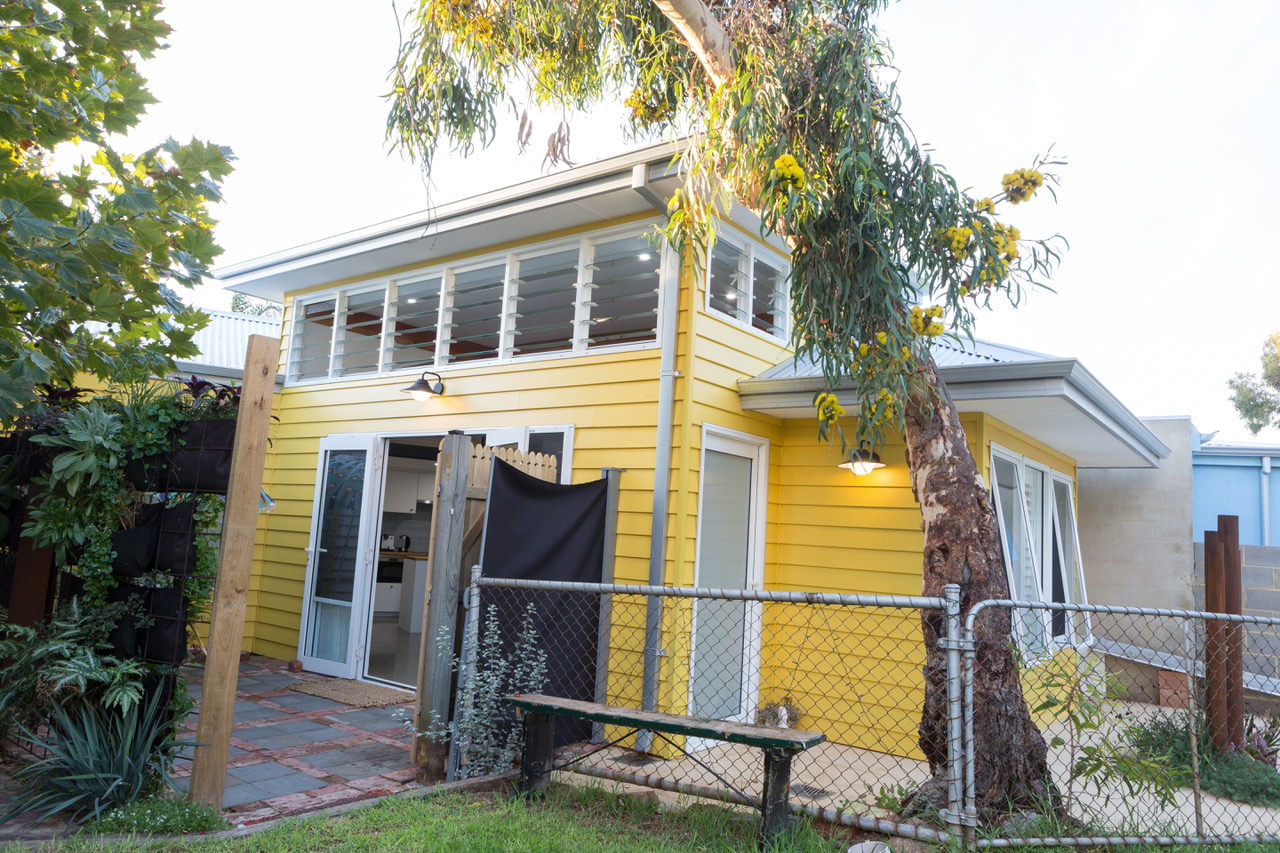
[620, 277]
[747, 283]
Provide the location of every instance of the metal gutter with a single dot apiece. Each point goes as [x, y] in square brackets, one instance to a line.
[573, 185]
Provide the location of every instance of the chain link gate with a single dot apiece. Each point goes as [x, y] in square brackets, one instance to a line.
[846, 665]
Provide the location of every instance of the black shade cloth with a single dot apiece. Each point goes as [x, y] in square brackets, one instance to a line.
[535, 530]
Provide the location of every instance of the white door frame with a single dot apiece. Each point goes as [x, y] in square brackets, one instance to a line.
[755, 448]
[366, 559]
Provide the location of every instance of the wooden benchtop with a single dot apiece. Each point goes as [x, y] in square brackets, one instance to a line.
[408, 555]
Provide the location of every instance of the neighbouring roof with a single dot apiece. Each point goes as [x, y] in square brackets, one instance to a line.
[1053, 400]
[224, 342]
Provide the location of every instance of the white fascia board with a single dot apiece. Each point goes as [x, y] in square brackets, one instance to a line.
[275, 274]
[1065, 379]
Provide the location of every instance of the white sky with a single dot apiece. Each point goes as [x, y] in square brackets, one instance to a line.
[1166, 110]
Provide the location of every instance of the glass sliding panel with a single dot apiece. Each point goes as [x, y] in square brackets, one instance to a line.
[360, 333]
[720, 627]
[312, 340]
[546, 290]
[1019, 554]
[728, 282]
[414, 318]
[623, 281]
[475, 322]
[337, 556]
[768, 300]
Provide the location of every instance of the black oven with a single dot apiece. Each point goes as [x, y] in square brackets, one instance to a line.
[390, 569]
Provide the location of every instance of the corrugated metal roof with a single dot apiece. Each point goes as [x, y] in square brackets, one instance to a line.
[946, 353]
[224, 341]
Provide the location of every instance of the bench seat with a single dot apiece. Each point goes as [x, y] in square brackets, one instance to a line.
[779, 745]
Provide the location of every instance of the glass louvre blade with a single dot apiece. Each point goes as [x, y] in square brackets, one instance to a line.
[726, 280]
[415, 319]
[313, 337]
[624, 279]
[474, 330]
[546, 292]
[768, 300]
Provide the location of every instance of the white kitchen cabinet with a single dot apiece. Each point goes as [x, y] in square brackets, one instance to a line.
[386, 597]
[427, 486]
[413, 595]
[402, 491]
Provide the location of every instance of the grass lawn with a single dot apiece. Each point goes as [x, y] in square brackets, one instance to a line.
[574, 820]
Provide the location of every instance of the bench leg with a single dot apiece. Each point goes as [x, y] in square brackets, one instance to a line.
[538, 754]
[776, 820]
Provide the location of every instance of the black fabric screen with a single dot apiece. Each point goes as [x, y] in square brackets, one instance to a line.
[537, 530]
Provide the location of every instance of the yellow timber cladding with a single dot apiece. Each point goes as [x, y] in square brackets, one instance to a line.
[825, 530]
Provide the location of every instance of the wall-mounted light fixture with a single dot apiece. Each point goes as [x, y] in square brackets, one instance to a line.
[864, 461]
[424, 390]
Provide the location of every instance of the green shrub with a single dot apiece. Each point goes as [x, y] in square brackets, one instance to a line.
[1227, 774]
[97, 760]
[160, 815]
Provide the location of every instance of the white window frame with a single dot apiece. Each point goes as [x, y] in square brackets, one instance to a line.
[752, 251]
[1042, 552]
[668, 279]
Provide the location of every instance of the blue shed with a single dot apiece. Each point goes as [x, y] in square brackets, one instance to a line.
[1236, 479]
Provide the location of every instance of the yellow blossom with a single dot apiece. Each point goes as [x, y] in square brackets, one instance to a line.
[986, 206]
[787, 172]
[1020, 184]
[829, 408]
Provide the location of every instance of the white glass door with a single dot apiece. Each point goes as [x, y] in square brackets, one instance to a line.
[341, 556]
[724, 676]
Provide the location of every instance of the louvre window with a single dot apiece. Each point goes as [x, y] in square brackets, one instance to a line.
[474, 330]
[360, 333]
[545, 292]
[312, 340]
[746, 285]
[559, 299]
[625, 276]
[415, 316]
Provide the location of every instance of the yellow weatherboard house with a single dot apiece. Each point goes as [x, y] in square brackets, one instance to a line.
[549, 317]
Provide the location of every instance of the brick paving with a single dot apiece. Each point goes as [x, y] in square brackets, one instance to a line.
[290, 753]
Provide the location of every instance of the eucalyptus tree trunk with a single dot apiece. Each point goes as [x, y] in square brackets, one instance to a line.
[962, 546]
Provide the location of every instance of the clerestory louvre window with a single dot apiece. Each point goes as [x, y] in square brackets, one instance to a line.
[748, 285]
[625, 277]
[562, 298]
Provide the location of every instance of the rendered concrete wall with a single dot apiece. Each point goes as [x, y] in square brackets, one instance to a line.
[1135, 526]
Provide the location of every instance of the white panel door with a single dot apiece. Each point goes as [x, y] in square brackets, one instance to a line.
[725, 669]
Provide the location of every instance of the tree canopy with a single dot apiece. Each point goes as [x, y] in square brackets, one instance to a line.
[92, 238]
[797, 115]
[1257, 396]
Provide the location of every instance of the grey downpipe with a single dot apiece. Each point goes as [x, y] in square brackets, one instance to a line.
[661, 486]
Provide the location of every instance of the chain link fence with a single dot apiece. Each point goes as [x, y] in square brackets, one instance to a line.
[1163, 725]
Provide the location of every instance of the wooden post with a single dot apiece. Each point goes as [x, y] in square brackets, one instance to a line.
[435, 671]
[1233, 603]
[1215, 664]
[235, 564]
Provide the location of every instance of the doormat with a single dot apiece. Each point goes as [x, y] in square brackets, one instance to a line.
[357, 694]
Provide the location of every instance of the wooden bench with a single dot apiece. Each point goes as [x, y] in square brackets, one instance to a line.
[779, 745]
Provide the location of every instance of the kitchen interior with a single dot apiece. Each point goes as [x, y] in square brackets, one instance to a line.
[401, 582]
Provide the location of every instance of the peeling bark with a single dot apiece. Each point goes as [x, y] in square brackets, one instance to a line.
[962, 546]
